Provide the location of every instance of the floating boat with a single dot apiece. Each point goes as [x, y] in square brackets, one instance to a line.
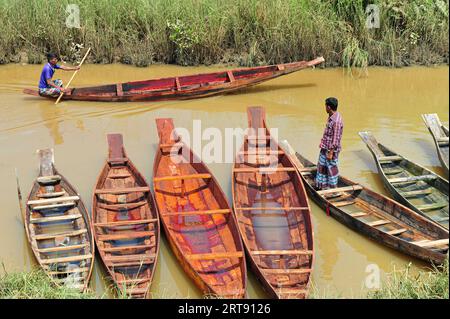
[125, 222]
[184, 87]
[58, 227]
[376, 216]
[197, 218]
[440, 137]
[273, 213]
[411, 184]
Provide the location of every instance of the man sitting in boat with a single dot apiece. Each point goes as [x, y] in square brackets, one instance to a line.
[47, 87]
[330, 146]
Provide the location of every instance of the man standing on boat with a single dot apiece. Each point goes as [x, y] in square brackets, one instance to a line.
[330, 146]
[47, 87]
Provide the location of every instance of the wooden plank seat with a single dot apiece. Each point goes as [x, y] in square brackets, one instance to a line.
[181, 177]
[137, 291]
[271, 208]
[340, 189]
[62, 234]
[358, 214]
[132, 281]
[126, 235]
[410, 194]
[218, 255]
[379, 222]
[263, 170]
[54, 206]
[264, 151]
[37, 220]
[393, 158]
[124, 258]
[46, 180]
[69, 271]
[199, 212]
[282, 252]
[286, 271]
[442, 141]
[68, 281]
[126, 222]
[117, 160]
[443, 219]
[433, 243]
[120, 206]
[122, 190]
[131, 247]
[308, 169]
[66, 259]
[61, 248]
[344, 203]
[119, 175]
[396, 232]
[51, 195]
[433, 206]
[393, 171]
[53, 200]
[412, 179]
[138, 264]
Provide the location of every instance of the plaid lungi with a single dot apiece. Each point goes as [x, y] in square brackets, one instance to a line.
[327, 171]
[51, 91]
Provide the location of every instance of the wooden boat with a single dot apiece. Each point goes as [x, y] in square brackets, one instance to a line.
[411, 184]
[58, 227]
[125, 222]
[440, 137]
[196, 217]
[273, 213]
[184, 87]
[376, 216]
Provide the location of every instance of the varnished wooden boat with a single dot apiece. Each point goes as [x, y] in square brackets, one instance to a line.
[125, 222]
[58, 227]
[273, 213]
[411, 184]
[184, 87]
[197, 218]
[440, 137]
[376, 216]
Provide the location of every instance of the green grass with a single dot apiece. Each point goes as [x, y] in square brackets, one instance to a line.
[244, 32]
[424, 285]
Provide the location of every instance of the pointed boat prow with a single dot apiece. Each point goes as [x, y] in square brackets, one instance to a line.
[115, 145]
[31, 92]
[166, 131]
[256, 117]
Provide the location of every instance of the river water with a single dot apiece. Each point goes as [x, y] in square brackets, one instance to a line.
[386, 101]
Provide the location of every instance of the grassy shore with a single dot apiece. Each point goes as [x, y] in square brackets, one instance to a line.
[400, 284]
[243, 32]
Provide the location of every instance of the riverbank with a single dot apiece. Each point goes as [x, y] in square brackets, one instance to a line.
[400, 284]
[243, 32]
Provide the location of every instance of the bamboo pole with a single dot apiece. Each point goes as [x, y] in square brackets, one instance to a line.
[19, 195]
[73, 75]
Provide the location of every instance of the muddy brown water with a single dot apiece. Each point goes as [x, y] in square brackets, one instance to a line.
[387, 101]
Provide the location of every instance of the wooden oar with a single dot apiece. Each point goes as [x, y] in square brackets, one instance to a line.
[73, 75]
[19, 195]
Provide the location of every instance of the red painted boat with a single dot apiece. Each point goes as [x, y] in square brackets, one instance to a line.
[183, 87]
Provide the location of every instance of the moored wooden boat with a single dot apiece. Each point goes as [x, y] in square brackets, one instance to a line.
[411, 184]
[58, 227]
[440, 137]
[125, 222]
[376, 216]
[184, 87]
[197, 218]
[273, 213]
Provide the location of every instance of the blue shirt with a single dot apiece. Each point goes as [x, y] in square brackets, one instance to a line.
[47, 73]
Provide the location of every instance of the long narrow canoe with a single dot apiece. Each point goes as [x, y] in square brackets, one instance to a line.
[184, 87]
[125, 222]
[440, 137]
[197, 218]
[58, 227]
[411, 184]
[376, 216]
[273, 213]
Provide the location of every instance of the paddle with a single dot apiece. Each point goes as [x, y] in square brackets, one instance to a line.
[73, 75]
[19, 195]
